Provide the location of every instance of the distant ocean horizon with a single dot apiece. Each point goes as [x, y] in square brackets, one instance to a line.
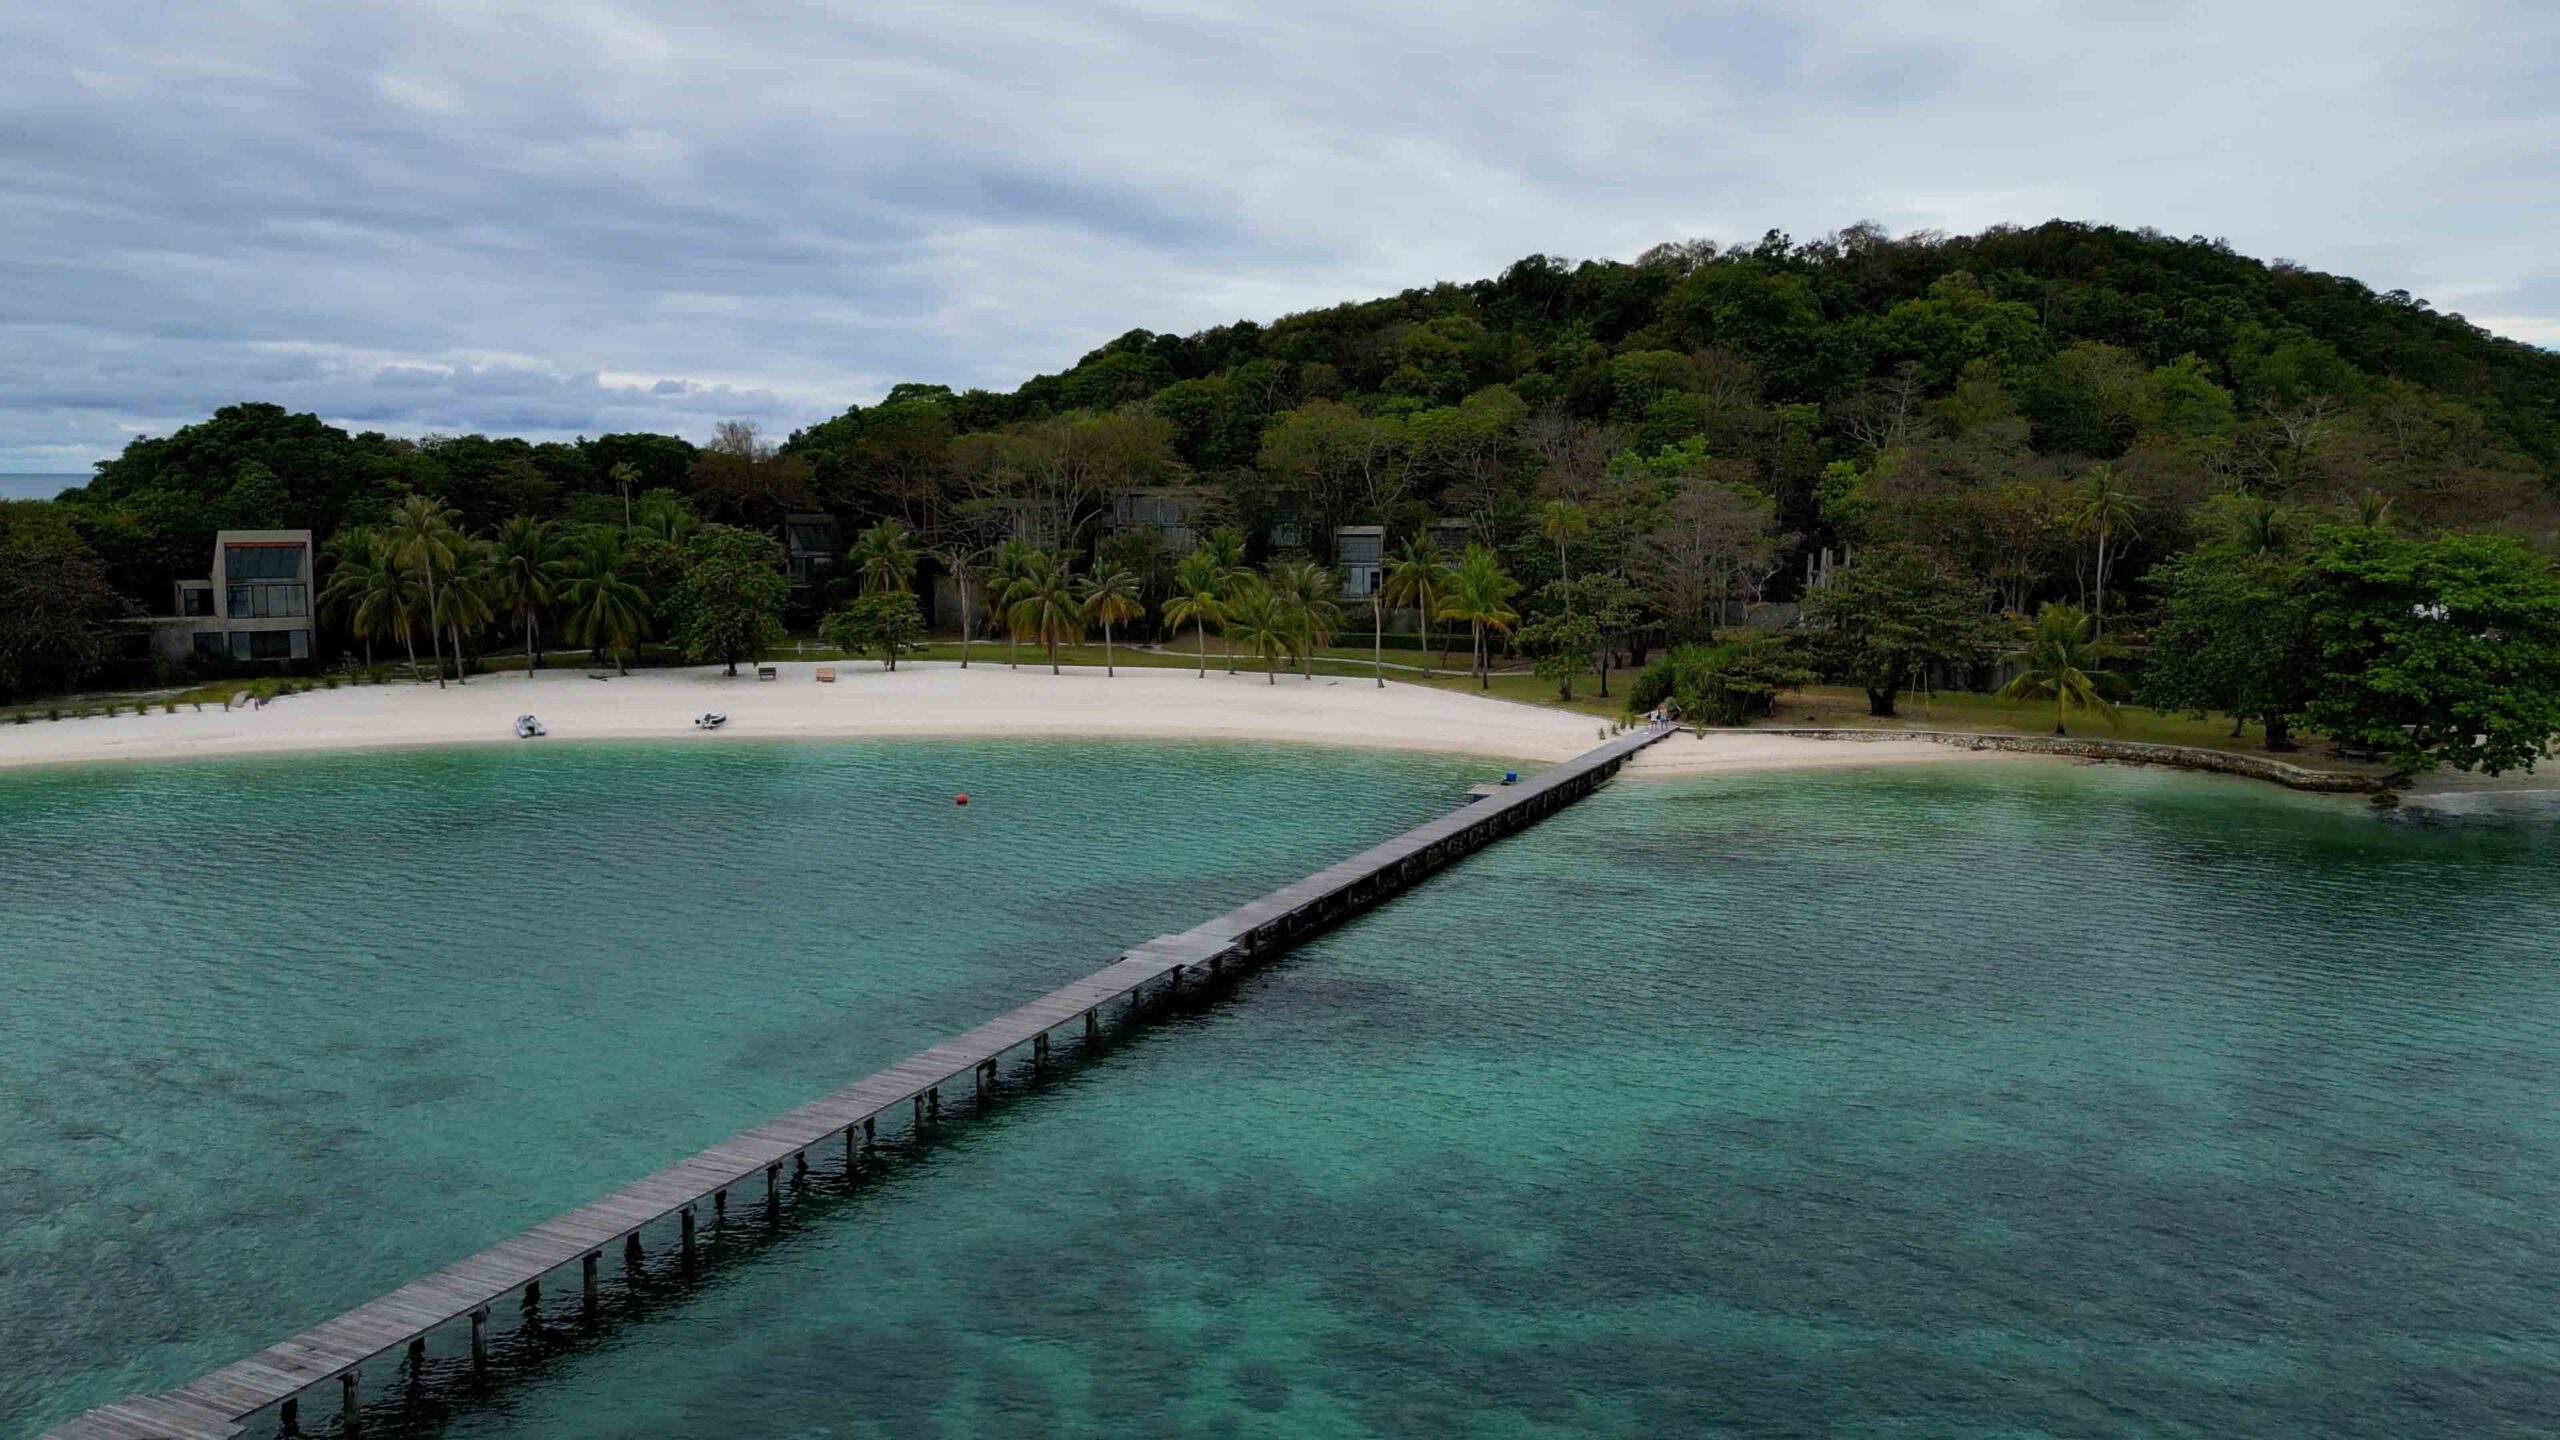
[38, 484]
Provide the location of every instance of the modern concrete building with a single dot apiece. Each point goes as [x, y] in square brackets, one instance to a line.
[811, 544]
[1181, 512]
[1360, 552]
[256, 605]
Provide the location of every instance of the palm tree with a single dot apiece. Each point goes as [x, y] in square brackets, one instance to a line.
[1263, 623]
[663, 516]
[2106, 510]
[1308, 592]
[2061, 659]
[1045, 606]
[423, 539]
[370, 593]
[604, 604]
[1480, 594]
[1225, 548]
[959, 560]
[1111, 598]
[1419, 575]
[532, 565]
[1560, 521]
[625, 475]
[1199, 600]
[469, 604]
[886, 559]
[1013, 561]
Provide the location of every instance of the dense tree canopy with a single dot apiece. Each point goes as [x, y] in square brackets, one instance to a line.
[1907, 435]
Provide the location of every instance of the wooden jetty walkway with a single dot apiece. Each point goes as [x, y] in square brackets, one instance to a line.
[218, 1406]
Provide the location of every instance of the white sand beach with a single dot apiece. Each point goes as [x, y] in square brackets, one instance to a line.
[984, 701]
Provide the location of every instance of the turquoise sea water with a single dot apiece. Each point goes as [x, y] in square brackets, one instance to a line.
[2029, 1100]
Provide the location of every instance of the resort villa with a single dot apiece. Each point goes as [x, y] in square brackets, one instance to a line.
[256, 605]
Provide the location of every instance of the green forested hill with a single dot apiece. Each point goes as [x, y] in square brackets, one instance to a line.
[1713, 416]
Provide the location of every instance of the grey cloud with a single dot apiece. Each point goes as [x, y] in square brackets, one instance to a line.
[454, 216]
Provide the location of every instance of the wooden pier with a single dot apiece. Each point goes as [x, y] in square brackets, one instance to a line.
[218, 1406]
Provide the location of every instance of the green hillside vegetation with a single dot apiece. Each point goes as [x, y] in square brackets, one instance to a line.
[2064, 414]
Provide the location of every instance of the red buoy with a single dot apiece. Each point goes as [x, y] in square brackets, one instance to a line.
[960, 799]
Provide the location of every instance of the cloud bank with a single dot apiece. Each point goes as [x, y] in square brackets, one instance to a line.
[582, 217]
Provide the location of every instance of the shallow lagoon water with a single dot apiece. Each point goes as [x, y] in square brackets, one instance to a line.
[2019, 1100]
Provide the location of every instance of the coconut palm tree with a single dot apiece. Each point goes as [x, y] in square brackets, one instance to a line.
[423, 538]
[604, 604]
[1012, 565]
[1111, 597]
[1480, 594]
[2061, 659]
[370, 594]
[470, 606]
[1199, 599]
[1419, 575]
[1045, 607]
[625, 475]
[1310, 592]
[959, 559]
[532, 566]
[2107, 513]
[1225, 548]
[1560, 521]
[885, 557]
[1263, 623]
[664, 516]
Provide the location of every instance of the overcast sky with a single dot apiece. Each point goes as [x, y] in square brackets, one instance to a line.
[576, 218]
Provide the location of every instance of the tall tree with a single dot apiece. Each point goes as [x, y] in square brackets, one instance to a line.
[1418, 575]
[885, 557]
[2060, 662]
[1225, 547]
[372, 594]
[2437, 652]
[1014, 561]
[1261, 623]
[886, 623]
[1309, 593]
[1111, 598]
[1480, 594]
[1887, 617]
[2107, 516]
[606, 607]
[1199, 600]
[1562, 521]
[532, 567]
[728, 606]
[1044, 608]
[57, 609]
[423, 538]
[2235, 635]
[960, 553]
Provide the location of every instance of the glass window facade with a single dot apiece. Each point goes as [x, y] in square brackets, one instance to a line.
[195, 602]
[261, 562]
[266, 602]
[270, 644]
[211, 646]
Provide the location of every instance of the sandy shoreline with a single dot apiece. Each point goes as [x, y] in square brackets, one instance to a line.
[983, 702]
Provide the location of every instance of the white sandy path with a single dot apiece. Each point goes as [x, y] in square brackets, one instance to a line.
[920, 699]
